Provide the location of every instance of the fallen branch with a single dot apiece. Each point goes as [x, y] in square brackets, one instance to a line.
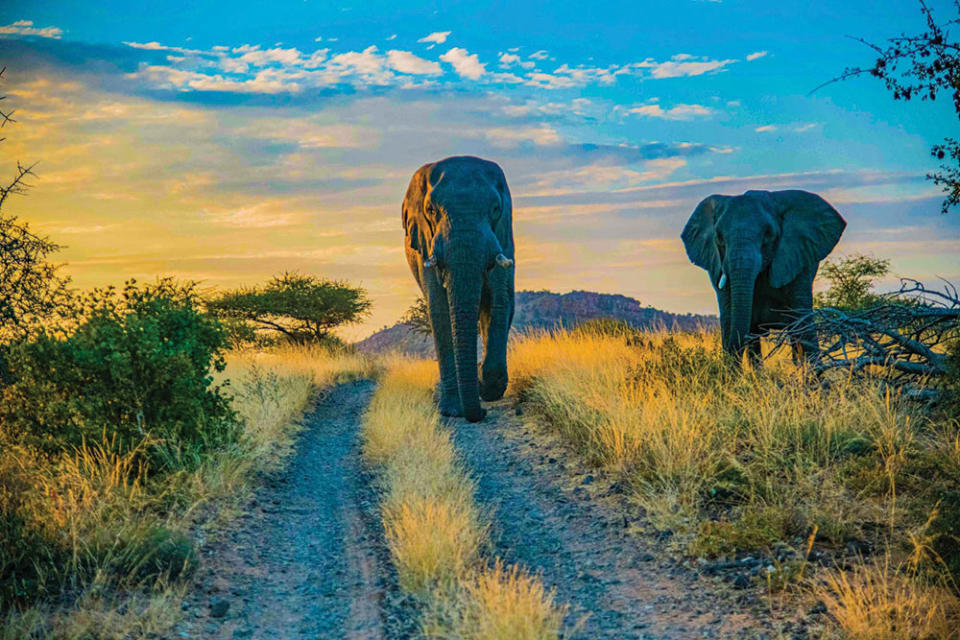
[904, 340]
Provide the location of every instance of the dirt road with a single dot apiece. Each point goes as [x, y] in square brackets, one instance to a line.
[618, 584]
[307, 560]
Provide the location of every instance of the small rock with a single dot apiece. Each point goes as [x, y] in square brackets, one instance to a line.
[219, 608]
[647, 557]
[551, 460]
[588, 479]
[519, 411]
[741, 581]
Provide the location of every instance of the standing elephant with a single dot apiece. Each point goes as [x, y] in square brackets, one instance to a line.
[457, 216]
[762, 250]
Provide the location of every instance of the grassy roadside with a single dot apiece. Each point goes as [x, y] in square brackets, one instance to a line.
[115, 540]
[732, 463]
[436, 534]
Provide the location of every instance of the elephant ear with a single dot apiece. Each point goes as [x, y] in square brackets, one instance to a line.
[698, 237]
[809, 230]
[412, 209]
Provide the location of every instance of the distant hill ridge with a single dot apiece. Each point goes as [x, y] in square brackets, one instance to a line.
[548, 310]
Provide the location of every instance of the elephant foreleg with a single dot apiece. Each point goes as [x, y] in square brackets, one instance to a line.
[443, 343]
[496, 313]
[723, 303]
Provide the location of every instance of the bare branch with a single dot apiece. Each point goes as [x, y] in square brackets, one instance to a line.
[902, 340]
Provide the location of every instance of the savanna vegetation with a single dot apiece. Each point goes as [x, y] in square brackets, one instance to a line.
[852, 491]
[438, 536]
[127, 424]
[114, 452]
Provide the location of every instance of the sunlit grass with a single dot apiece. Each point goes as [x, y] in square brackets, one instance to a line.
[119, 538]
[731, 461]
[434, 529]
[880, 602]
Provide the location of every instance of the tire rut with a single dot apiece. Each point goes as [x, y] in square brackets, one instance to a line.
[308, 559]
[618, 584]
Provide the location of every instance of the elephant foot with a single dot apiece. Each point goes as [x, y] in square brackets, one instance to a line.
[478, 416]
[493, 386]
[450, 407]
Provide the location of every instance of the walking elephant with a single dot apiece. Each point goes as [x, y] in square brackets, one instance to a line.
[762, 250]
[457, 218]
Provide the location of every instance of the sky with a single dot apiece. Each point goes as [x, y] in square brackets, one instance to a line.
[227, 143]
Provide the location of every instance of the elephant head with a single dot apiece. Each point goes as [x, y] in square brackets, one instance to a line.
[459, 242]
[778, 235]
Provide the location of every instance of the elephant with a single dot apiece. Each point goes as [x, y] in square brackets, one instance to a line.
[457, 219]
[762, 250]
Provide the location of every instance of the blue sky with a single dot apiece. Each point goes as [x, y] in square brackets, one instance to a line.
[229, 142]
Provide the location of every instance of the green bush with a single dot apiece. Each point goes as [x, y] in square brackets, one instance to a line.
[138, 365]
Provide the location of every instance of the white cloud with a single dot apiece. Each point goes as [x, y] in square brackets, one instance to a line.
[367, 63]
[277, 55]
[678, 112]
[26, 28]
[757, 55]
[466, 64]
[765, 128]
[406, 62]
[507, 60]
[512, 136]
[806, 126]
[681, 65]
[437, 37]
[539, 55]
[393, 37]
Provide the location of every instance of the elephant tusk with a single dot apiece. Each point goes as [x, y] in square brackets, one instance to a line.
[504, 261]
[723, 281]
[430, 262]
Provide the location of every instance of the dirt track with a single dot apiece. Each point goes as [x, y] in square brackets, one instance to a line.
[308, 559]
[618, 584]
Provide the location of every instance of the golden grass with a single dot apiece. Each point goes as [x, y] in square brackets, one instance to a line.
[435, 531]
[731, 461]
[113, 524]
[878, 602]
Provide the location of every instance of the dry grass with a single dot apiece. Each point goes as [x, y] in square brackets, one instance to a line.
[122, 536]
[433, 527]
[732, 461]
[879, 602]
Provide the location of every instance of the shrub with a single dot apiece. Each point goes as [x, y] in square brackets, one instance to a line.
[139, 365]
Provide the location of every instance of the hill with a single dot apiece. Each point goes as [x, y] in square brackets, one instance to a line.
[548, 310]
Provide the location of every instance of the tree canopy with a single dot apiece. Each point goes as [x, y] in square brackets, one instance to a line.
[301, 307]
[851, 281]
[417, 316]
[31, 288]
[921, 66]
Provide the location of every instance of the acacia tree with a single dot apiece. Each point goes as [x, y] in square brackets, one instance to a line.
[851, 281]
[921, 66]
[301, 307]
[31, 288]
[417, 316]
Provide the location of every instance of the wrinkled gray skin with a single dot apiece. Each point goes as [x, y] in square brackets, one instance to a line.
[457, 215]
[764, 248]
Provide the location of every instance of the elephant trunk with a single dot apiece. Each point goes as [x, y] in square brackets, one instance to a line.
[464, 285]
[743, 279]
